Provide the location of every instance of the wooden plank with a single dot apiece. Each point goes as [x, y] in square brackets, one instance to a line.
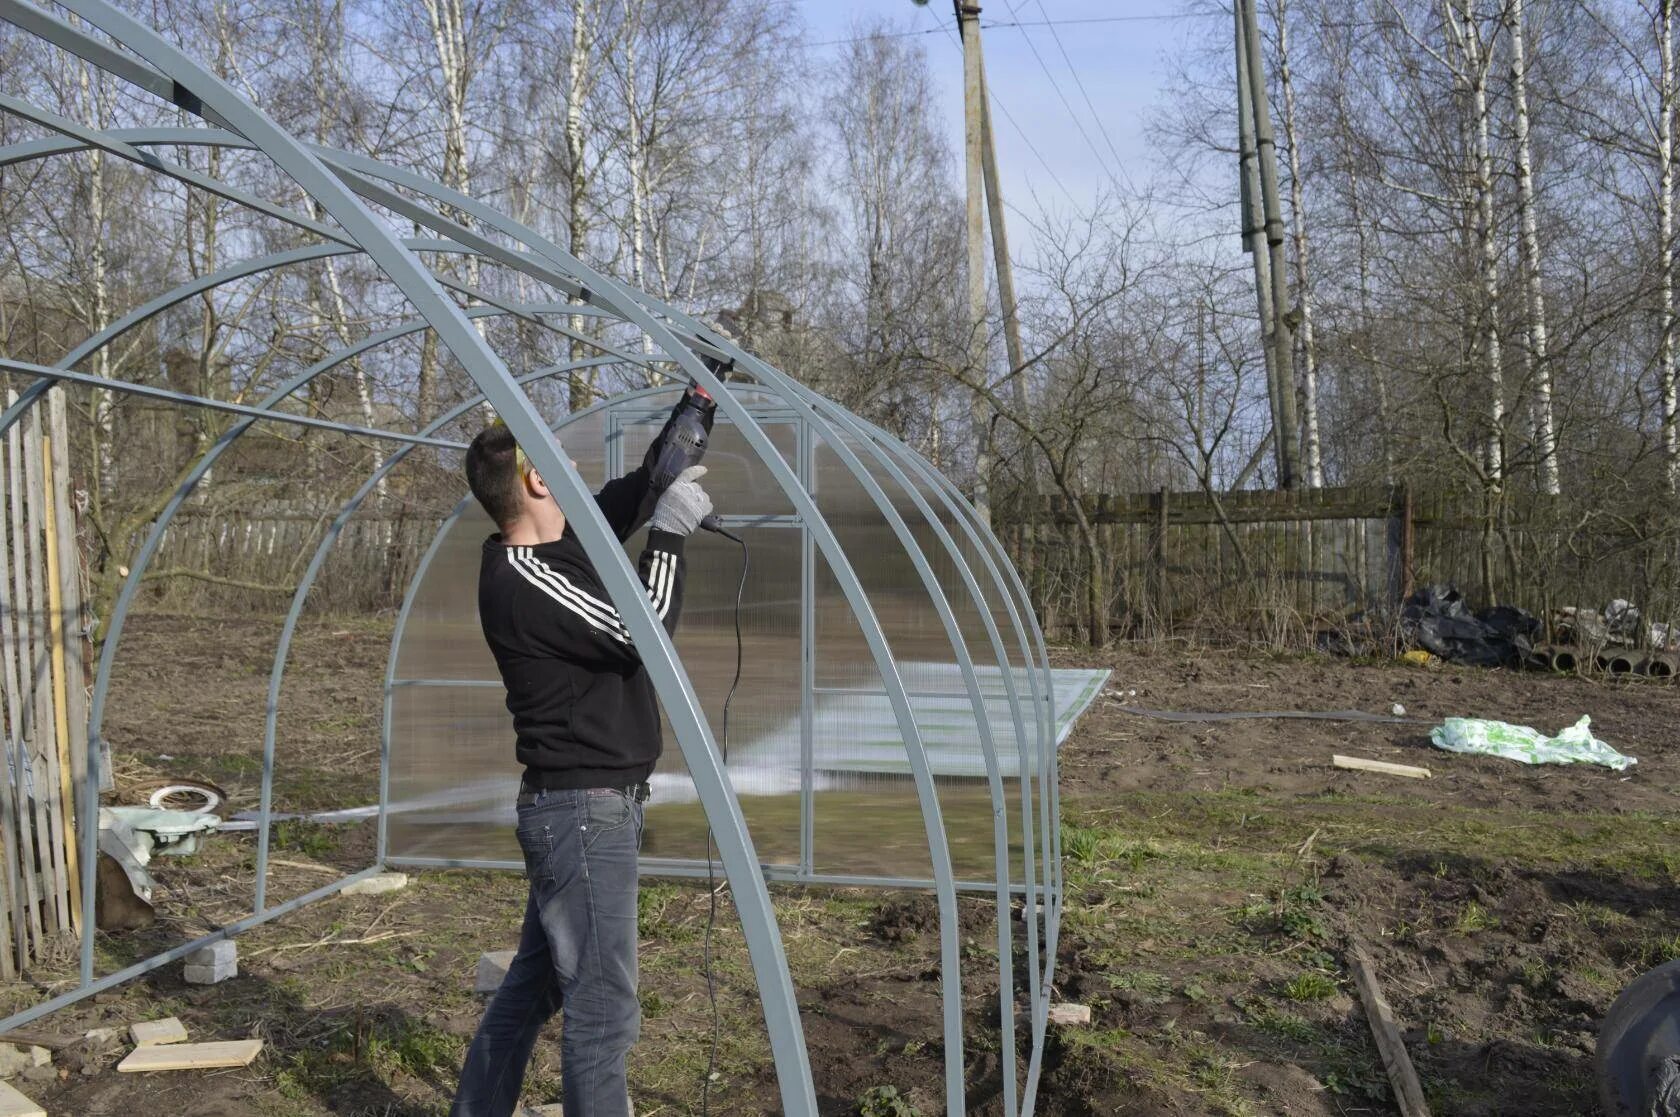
[15, 1104]
[52, 1041]
[1360, 764]
[156, 1033]
[60, 681]
[17, 659]
[192, 1056]
[1408, 1091]
[16, 930]
[77, 648]
[49, 827]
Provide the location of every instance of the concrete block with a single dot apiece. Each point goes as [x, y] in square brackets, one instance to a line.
[544, 1111]
[378, 885]
[211, 964]
[209, 975]
[492, 968]
[152, 1033]
[1070, 1016]
[216, 954]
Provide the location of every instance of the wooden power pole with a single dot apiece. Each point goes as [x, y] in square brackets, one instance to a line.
[968, 22]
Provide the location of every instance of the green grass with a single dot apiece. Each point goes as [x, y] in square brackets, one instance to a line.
[1310, 985]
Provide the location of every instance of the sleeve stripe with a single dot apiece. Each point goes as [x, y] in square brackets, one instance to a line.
[563, 592]
[661, 572]
[602, 610]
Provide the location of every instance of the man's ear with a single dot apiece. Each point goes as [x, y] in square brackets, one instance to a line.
[535, 485]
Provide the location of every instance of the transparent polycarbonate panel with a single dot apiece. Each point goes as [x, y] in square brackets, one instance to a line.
[453, 773]
[867, 746]
[822, 773]
[763, 747]
[463, 789]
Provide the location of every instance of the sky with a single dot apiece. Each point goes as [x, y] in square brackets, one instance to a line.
[1051, 155]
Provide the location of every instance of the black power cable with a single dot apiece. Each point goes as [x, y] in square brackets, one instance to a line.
[711, 878]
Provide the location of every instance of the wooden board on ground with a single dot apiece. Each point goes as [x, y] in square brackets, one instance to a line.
[1360, 764]
[14, 1104]
[156, 1033]
[192, 1056]
[1408, 1091]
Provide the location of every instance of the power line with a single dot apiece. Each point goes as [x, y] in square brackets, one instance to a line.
[1019, 23]
[1083, 92]
[1066, 104]
[1022, 132]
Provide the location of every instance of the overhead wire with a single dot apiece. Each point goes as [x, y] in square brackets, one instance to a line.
[1085, 93]
[1016, 23]
[1073, 115]
[1022, 132]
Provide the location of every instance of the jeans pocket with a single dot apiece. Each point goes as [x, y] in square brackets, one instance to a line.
[604, 812]
[536, 842]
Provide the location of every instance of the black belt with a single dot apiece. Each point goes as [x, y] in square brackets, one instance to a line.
[638, 792]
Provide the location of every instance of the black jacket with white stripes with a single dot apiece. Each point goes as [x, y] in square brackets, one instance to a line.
[582, 703]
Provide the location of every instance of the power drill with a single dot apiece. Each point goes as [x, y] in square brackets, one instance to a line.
[683, 442]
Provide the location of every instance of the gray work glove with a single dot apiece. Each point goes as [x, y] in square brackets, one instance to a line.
[682, 506]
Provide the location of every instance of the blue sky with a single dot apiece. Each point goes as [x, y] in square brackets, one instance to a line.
[1122, 66]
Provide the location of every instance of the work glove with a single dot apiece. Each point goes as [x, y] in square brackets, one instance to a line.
[682, 506]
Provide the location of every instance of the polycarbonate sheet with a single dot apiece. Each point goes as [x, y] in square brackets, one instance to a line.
[453, 771]
[822, 771]
[928, 666]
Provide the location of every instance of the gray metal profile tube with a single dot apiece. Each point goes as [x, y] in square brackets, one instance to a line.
[786, 1036]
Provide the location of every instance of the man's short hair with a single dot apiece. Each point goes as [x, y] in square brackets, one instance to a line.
[493, 473]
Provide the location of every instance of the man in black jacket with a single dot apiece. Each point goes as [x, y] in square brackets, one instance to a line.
[588, 735]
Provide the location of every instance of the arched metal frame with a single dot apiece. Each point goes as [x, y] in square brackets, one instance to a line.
[341, 184]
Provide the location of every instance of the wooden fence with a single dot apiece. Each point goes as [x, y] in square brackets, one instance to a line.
[1245, 560]
[1262, 560]
[256, 561]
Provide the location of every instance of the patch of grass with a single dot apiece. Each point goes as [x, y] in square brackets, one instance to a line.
[314, 839]
[885, 1101]
[1080, 844]
[1310, 985]
[1474, 917]
[1281, 1024]
[1146, 988]
[1654, 950]
[415, 1047]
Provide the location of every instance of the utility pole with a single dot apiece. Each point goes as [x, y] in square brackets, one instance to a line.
[968, 22]
[1011, 322]
[1263, 218]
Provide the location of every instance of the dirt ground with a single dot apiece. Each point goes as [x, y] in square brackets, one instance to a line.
[1215, 872]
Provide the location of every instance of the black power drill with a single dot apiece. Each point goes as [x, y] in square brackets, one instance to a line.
[683, 443]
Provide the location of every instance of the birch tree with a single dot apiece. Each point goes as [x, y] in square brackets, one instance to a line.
[1312, 452]
[1536, 362]
[1666, 382]
[1473, 63]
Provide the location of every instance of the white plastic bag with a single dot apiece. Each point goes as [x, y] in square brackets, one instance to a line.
[1575, 745]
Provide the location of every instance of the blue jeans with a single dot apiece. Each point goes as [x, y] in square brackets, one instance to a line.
[577, 956]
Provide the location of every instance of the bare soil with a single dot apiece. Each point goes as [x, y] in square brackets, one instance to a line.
[1214, 872]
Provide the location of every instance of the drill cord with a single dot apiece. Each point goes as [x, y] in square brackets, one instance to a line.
[711, 880]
